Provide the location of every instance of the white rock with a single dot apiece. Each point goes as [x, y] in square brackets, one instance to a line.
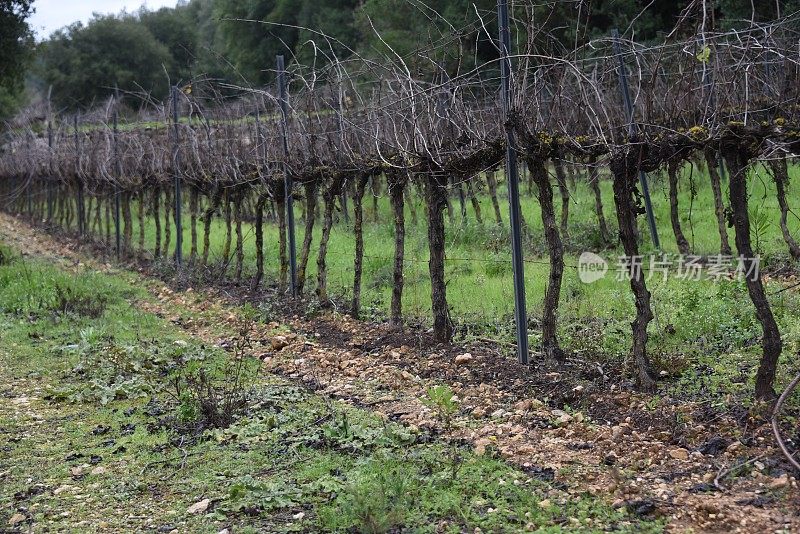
[199, 507]
[463, 359]
[780, 482]
[679, 454]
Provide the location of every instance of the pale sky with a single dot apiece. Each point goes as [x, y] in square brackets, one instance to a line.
[51, 15]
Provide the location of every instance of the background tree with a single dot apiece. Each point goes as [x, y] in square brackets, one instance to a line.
[16, 41]
[84, 63]
[177, 29]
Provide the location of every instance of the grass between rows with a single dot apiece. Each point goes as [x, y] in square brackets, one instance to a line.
[103, 427]
[700, 324]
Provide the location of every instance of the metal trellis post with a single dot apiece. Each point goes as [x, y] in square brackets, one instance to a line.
[626, 96]
[29, 185]
[118, 165]
[287, 178]
[50, 169]
[79, 200]
[520, 313]
[177, 163]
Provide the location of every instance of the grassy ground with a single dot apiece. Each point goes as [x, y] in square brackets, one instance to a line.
[103, 428]
[696, 323]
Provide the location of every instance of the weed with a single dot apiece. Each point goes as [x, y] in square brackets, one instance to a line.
[442, 400]
[214, 397]
[71, 301]
[378, 503]
[5, 255]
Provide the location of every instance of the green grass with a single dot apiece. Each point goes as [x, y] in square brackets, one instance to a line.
[93, 441]
[696, 321]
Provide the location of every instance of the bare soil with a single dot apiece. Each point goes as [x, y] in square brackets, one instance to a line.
[701, 468]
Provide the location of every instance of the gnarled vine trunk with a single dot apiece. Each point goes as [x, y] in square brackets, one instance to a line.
[358, 263]
[550, 345]
[719, 205]
[98, 217]
[462, 201]
[193, 211]
[238, 200]
[108, 219]
[780, 175]
[227, 214]
[436, 201]
[213, 204]
[156, 210]
[396, 182]
[127, 233]
[594, 185]
[476, 205]
[492, 183]
[563, 190]
[140, 217]
[674, 215]
[310, 188]
[737, 159]
[259, 229]
[329, 197]
[167, 220]
[625, 170]
[280, 208]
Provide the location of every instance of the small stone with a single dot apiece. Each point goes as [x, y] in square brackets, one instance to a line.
[545, 503]
[181, 343]
[780, 482]
[479, 412]
[679, 454]
[523, 405]
[463, 359]
[299, 515]
[562, 417]
[61, 489]
[199, 507]
[278, 342]
[480, 446]
[735, 446]
[618, 431]
[99, 470]
[16, 519]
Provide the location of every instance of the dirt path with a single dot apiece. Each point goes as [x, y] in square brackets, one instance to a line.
[657, 456]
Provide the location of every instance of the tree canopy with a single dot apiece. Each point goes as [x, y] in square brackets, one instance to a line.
[15, 42]
[86, 63]
[237, 40]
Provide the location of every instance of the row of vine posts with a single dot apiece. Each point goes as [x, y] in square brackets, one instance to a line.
[433, 135]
